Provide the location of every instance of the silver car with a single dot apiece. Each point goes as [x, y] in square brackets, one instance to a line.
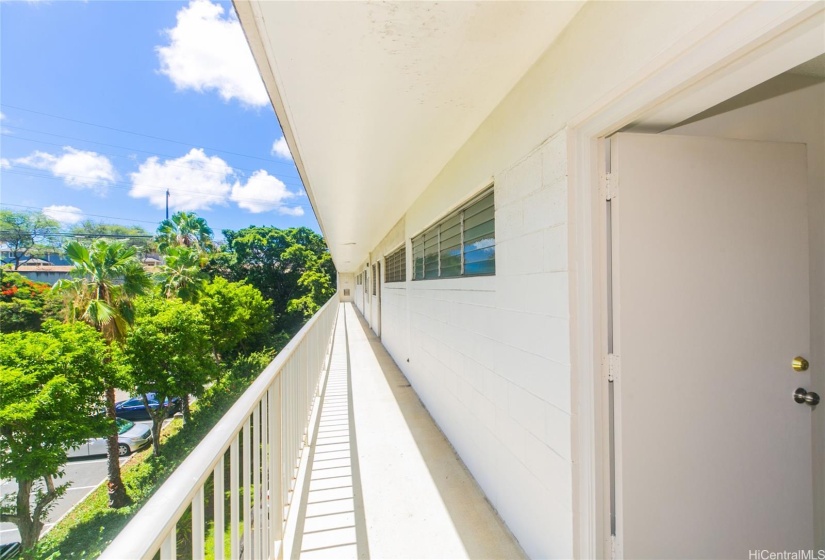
[131, 437]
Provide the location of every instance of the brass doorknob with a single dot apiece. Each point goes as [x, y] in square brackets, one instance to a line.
[799, 364]
[805, 397]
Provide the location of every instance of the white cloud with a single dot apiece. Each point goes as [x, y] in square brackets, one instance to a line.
[64, 214]
[280, 149]
[208, 51]
[4, 163]
[196, 181]
[77, 168]
[263, 193]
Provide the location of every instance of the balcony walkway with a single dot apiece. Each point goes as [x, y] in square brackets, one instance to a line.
[380, 480]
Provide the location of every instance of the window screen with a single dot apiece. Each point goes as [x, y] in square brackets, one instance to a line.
[396, 266]
[462, 244]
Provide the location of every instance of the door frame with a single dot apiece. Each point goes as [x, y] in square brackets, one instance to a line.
[720, 59]
[378, 298]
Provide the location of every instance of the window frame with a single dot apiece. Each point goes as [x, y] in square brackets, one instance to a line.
[395, 265]
[418, 242]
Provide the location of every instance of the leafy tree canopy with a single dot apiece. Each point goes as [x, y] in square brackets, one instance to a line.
[168, 353]
[234, 313]
[275, 260]
[22, 302]
[22, 232]
[49, 402]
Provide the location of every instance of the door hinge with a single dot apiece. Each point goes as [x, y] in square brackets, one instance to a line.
[613, 367]
[610, 184]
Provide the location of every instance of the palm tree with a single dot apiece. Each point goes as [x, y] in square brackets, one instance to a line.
[181, 276]
[105, 279]
[184, 229]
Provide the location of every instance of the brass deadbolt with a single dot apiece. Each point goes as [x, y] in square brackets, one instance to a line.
[799, 364]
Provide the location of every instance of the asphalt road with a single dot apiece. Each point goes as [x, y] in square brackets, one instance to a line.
[84, 476]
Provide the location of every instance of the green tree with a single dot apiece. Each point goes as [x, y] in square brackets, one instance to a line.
[49, 402]
[167, 352]
[318, 289]
[22, 302]
[22, 232]
[274, 261]
[220, 263]
[105, 279]
[185, 229]
[181, 275]
[234, 312]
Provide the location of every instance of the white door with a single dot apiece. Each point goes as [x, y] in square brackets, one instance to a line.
[711, 305]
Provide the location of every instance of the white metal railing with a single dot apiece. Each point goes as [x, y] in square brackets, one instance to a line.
[263, 435]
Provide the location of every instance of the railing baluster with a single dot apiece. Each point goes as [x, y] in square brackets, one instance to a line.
[265, 503]
[197, 526]
[285, 473]
[168, 550]
[219, 524]
[234, 510]
[276, 513]
[272, 418]
[290, 377]
[256, 482]
[247, 490]
[305, 405]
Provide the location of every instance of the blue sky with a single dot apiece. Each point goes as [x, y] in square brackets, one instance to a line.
[106, 104]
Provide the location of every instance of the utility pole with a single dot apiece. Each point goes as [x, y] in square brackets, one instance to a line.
[167, 204]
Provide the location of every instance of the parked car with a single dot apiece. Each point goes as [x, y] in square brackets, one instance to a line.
[133, 409]
[10, 550]
[131, 437]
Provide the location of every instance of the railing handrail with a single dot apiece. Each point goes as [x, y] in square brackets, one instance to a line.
[146, 530]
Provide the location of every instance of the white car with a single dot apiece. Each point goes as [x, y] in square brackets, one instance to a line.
[131, 437]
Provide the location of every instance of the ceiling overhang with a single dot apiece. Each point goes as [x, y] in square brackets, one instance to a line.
[375, 97]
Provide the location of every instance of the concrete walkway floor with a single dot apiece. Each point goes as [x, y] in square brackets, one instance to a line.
[380, 480]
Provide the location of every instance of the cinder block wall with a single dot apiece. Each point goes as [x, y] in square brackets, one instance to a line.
[490, 356]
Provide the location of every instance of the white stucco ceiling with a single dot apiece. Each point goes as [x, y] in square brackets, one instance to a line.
[375, 98]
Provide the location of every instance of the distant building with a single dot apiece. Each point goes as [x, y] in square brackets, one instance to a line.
[44, 273]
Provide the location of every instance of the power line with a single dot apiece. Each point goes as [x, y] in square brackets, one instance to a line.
[79, 213]
[131, 132]
[18, 137]
[78, 234]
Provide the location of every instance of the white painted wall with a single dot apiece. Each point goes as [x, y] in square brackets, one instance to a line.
[790, 108]
[395, 325]
[359, 295]
[346, 281]
[490, 356]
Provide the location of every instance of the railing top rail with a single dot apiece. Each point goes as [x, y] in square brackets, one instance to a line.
[145, 532]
